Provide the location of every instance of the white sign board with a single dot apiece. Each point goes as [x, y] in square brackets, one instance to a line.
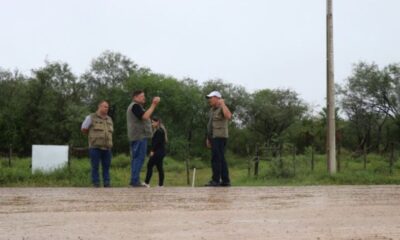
[47, 158]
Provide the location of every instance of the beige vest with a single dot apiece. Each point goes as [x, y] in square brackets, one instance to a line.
[100, 132]
[217, 124]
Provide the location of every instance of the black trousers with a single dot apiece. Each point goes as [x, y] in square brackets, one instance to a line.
[220, 172]
[156, 160]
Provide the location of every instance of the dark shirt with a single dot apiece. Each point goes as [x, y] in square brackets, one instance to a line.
[138, 111]
[158, 141]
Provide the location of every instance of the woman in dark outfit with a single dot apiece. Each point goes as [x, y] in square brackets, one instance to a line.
[157, 152]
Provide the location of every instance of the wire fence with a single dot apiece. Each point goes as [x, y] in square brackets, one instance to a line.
[286, 160]
[6, 154]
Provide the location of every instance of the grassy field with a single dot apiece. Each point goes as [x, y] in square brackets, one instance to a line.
[272, 172]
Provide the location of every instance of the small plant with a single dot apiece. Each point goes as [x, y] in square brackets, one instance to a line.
[281, 167]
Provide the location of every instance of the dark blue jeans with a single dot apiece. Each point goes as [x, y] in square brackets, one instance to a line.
[220, 172]
[138, 153]
[98, 156]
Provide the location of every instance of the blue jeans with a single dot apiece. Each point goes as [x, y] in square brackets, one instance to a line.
[220, 171]
[98, 155]
[138, 153]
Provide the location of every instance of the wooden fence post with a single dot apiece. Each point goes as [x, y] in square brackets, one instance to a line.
[69, 157]
[280, 159]
[312, 157]
[248, 161]
[338, 156]
[391, 162]
[10, 156]
[187, 170]
[256, 162]
[365, 155]
[294, 160]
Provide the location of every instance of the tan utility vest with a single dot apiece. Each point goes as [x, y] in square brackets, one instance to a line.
[138, 129]
[217, 124]
[100, 132]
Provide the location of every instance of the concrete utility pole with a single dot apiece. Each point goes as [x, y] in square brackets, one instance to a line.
[331, 133]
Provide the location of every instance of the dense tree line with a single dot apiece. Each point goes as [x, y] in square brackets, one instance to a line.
[48, 106]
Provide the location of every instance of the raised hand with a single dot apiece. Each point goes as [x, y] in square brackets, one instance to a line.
[156, 100]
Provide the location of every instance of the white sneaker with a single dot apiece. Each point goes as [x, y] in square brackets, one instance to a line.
[146, 185]
[160, 186]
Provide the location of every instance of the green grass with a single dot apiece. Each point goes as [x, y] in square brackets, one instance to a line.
[271, 172]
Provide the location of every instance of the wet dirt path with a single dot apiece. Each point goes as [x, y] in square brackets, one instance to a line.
[328, 212]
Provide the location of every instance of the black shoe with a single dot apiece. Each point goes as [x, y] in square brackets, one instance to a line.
[212, 184]
[96, 185]
[225, 184]
[107, 185]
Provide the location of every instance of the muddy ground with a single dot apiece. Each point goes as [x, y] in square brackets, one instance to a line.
[328, 212]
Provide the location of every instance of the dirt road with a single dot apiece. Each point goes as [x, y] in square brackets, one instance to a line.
[329, 212]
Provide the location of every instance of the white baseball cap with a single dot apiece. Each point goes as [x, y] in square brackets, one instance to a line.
[214, 94]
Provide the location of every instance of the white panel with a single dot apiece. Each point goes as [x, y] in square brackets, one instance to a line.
[47, 158]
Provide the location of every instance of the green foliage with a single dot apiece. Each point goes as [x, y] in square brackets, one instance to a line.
[370, 99]
[272, 112]
[281, 168]
[271, 172]
[49, 105]
[12, 101]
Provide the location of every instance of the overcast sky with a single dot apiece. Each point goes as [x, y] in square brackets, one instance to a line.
[254, 43]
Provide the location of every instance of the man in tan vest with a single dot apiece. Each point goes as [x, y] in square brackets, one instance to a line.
[99, 127]
[217, 136]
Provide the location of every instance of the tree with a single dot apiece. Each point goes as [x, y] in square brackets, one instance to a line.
[109, 70]
[272, 112]
[368, 98]
[53, 109]
[12, 101]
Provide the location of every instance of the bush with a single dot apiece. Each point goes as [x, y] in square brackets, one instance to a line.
[281, 168]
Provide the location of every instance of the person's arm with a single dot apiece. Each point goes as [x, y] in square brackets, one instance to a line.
[225, 110]
[86, 125]
[150, 111]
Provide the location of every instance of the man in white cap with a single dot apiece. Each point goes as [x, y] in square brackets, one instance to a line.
[217, 136]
